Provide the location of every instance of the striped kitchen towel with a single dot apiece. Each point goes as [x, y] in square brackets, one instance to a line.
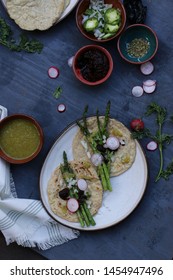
[25, 221]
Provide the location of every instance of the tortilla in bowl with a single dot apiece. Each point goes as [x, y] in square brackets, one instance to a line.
[82, 170]
[123, 157]
[31, 15]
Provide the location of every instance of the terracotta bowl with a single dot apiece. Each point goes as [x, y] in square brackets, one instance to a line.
[137, 31]
[78, 68]
[10, 128]
[84, 4]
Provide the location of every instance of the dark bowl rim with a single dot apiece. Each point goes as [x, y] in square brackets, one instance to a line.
[138, 25]
[108, 55]
[104, 40]
[40, 130]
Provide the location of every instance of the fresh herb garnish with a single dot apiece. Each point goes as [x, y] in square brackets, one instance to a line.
[159, 137]
[57, 92]
[24, 44]
[168, 171]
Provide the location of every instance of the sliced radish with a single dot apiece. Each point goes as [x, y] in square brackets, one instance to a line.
[72, 204]
[147, 68]
[137, 91]
[149, 83]
[137, 125]
[112, 143]
[152, 146]
[97, 159]
[70, 61]
[149, 89]
[53, 72]
[82, 184]
[61, 108]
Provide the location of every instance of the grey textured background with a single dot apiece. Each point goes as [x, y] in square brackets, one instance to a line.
[26, 88]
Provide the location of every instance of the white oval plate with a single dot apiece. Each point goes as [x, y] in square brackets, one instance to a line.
[128, 188]
[64, 14]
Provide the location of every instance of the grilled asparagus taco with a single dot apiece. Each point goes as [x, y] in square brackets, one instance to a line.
[75, 192]
[107, 137]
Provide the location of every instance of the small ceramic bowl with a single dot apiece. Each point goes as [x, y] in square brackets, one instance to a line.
[84, 4]
[136, 33]
[92, 65]
[21, 138]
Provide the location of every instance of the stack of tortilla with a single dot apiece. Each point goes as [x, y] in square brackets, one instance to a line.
[36, 14]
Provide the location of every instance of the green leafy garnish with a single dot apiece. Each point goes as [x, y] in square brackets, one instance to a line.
[168, 171]
[159, 137]
[57, 92]
[24, 44]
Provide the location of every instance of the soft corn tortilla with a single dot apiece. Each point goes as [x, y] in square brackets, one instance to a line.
[36, 14]
[124, 156]
[56, 183]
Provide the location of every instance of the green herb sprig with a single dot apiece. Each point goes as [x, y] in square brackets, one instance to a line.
[57, 92]
[168, 171]
[24, 44]
[159, 137]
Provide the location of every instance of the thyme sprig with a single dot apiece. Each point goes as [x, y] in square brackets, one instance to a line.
[159, 137]
[24, 44]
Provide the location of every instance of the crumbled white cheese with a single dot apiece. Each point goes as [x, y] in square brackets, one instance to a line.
[88, 155]
[71, 182]
[61, 183]
[113, 158]
[104, 138]
[122, 142]
[85, 145]
[89, 202]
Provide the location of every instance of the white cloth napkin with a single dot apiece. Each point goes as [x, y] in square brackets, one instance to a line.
[25, 221]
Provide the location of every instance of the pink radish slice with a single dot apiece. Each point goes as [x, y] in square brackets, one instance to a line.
[152, 146]
[137, 91]
[61, 108]
[70, 61]
[147, 68]
[72, 205]
[53, 72]
[149, 89]
[82, 184]
[149, 83]
[97, 159]
[112, 143]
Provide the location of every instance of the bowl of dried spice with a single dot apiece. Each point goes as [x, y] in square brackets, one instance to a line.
[137, 44]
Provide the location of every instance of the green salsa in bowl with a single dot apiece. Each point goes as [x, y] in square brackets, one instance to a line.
[21, 138]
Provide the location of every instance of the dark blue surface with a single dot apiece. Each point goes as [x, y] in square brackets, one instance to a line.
[26, 88]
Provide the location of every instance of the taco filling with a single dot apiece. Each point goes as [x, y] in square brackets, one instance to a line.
[75, 192]
[107, 143]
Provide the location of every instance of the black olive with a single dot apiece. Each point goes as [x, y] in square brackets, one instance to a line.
[64, 194]
[80, 193]
[100, 148]
[106, 160]
[82, 199]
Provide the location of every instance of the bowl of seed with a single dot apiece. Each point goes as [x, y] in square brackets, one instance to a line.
[137, 44]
